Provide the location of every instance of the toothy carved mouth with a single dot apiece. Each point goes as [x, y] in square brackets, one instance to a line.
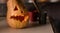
[20, 18]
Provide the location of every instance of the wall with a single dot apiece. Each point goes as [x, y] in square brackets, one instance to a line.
[3, 1]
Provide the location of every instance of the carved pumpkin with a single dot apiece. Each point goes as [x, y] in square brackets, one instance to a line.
[16, 15]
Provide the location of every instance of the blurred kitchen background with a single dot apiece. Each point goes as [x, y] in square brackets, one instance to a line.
[43, 8]
[3, 6]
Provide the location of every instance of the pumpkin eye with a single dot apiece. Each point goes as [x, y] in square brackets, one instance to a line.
[21, 11]
[15, 8]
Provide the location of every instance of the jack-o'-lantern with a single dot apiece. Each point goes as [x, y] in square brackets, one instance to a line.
[17, 17]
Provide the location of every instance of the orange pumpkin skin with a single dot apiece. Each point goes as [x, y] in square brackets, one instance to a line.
[16, 18]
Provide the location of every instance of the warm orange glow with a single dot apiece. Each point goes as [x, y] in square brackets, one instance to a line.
[43, 0]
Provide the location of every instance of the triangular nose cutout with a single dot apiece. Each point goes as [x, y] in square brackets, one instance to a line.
[15, 8]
